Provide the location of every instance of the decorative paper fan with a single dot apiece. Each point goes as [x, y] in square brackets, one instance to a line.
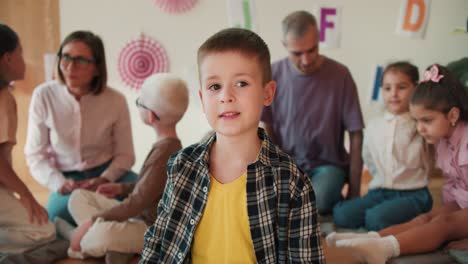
[139, 59]
[175, 6]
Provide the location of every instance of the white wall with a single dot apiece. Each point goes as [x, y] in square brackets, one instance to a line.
[368, 39]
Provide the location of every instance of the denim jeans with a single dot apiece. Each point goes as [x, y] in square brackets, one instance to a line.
[381, 208]
[327, 181]
[58, 203]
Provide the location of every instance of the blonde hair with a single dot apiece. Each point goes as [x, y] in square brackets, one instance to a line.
[166, 95]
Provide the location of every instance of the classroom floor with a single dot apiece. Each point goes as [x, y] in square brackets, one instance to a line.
[333, 256]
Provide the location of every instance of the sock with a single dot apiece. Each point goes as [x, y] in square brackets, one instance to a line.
[372, 250]
[64, 229]
[333, 237]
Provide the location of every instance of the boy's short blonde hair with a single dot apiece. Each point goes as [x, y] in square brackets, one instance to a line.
[239, 40]
[166, 95]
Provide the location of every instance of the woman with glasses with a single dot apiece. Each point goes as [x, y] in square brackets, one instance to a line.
[23, 221]
[79, 133]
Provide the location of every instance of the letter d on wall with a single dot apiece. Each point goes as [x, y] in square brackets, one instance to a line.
[413, 18]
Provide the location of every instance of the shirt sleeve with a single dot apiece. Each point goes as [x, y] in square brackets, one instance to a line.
[154, 234]
[352, 115]
[367, 156]
[37, 145]
[145, 194]
[8, 118]
[124, 155]
[304, 234]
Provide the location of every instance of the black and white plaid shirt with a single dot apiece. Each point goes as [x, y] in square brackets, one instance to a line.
[280, 205]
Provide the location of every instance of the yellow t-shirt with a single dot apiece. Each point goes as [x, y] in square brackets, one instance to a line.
[223, 233]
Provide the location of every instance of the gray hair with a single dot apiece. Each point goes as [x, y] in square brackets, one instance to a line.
[297, 23]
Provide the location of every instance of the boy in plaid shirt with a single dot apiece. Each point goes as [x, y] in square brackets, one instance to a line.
[235, 197]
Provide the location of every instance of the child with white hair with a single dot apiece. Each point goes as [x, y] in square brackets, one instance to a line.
[107, 226]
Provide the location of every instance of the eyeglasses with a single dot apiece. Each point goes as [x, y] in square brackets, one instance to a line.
[78, 61]
[139, 104]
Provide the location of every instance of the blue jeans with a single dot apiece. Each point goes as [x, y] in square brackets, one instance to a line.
[381, 208]
[327, 181]
[58, 203]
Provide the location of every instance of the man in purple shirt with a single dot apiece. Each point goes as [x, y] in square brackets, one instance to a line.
[316, 102]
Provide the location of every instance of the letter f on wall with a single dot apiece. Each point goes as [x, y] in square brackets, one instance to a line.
[330, 26]
[324, 23]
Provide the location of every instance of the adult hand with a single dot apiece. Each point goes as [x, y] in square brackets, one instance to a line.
[93, 183]
[458, 244]
[67, 187]
[35, 211]
[110, 190]
[79, 233]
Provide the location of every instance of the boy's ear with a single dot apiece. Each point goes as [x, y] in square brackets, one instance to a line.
[269, 93]
[453, 115]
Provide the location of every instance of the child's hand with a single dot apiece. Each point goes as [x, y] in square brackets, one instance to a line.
[79, 233]
[458, 244]
[110, 190]
[35, 211]
[67, 187]
[93, 183]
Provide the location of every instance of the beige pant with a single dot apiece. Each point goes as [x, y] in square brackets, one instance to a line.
[17, 234]
[103, 236]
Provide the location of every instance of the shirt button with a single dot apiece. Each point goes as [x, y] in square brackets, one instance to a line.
[205, 189]
[179, 255]
[192, 222]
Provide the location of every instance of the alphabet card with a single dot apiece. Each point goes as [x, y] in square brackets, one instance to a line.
[414, 15]
[329, 23]
[241, 14]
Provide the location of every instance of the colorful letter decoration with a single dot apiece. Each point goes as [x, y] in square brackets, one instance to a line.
[329, 19]
[413, 18]
[241, 14]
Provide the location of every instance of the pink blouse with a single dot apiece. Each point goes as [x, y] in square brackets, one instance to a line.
[452, 159]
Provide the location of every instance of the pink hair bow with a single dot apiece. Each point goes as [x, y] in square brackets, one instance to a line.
[432, 74]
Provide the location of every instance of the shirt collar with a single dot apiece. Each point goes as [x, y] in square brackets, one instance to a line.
[389, 116]
[268, 155]
[83, 97]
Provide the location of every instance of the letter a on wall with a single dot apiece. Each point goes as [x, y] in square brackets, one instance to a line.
[329, 22]
[413, 18]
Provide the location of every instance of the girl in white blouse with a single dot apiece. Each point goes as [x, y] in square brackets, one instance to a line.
[397, 158]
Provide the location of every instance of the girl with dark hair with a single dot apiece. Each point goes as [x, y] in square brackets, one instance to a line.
[440, 107]
[23, 221]
[399, 168]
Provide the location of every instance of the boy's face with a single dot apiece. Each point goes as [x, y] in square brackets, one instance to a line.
[397, 88]
[232, 92]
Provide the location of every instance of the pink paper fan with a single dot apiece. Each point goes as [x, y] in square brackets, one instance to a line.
[175, 6]
[139, 59]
